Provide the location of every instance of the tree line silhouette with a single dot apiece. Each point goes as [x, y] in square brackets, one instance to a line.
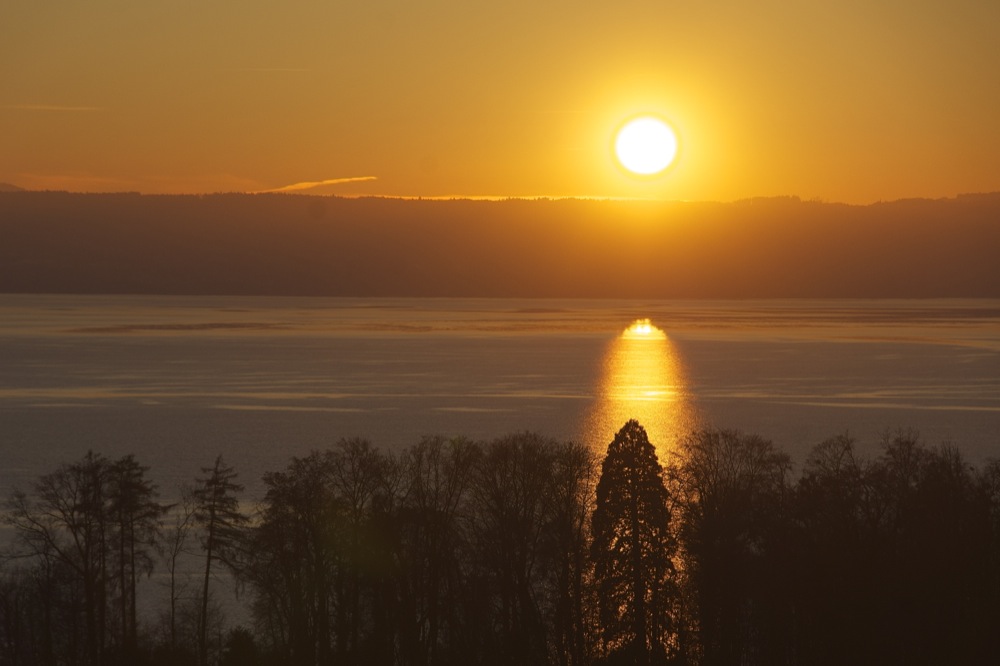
[284, 244]
[521, 550]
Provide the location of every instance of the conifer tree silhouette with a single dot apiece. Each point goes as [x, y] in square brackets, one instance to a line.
[632, 549]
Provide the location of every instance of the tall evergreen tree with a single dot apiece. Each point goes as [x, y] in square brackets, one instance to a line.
[632, 549]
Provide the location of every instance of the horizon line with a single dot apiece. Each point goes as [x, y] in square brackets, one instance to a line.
[301, 189]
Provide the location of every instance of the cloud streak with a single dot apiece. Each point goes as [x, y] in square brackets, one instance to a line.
[51, 107]
[308, 185]
[269, 70]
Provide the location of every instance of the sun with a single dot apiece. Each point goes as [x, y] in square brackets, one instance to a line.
[645, 146]
[643, 329]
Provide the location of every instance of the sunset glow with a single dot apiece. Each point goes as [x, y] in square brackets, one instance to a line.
[514, 100]
[524, 332]
[645, 146]
[643, 329]
[642, 379]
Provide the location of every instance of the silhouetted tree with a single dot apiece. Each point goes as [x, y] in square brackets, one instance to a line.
[318, 557]
[838, 516]
[39, 615]
[989, 618]
[932, 554]
[240, 649]
[510, 507]
[566, 546]
[67, 528]
[894, 559]
[457, 552]
[357, 478]
[730, 489]
[174, 546]
[632, 548]
[292, 559]
[217, 513]
[136, 516]
[87, 534]
[433, 547]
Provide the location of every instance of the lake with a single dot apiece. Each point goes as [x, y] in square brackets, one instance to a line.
[178, 380]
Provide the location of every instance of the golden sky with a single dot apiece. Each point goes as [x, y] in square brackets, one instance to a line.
[843, 101]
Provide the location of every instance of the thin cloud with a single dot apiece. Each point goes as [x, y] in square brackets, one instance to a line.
[308, 185]
[51, 107]
[269, 69]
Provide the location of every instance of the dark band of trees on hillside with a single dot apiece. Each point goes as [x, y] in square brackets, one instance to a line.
[281, 244]
[522, 550]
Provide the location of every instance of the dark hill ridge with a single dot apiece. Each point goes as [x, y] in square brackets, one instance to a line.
[305, 245]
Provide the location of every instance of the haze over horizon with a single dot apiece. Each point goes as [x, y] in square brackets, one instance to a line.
[845, 103]
[323, 190]
[288, 244]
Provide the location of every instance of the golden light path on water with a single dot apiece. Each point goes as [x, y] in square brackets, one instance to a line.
[642, 379]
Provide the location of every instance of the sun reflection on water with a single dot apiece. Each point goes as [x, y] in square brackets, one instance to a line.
[642, 379]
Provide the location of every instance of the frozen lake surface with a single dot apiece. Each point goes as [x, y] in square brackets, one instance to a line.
[177, 380]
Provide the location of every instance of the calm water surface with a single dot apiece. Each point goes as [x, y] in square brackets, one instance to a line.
[177, 380]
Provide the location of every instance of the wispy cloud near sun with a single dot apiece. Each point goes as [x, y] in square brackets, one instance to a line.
[51, 107]
[270, 70]
[308, 185]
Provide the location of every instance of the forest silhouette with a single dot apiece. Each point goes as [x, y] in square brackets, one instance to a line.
[520, 550]
[282, 244]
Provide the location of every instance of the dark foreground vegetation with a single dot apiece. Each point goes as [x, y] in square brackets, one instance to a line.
[518, 551]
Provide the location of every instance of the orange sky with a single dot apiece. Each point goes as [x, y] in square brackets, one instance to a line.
[843, 101]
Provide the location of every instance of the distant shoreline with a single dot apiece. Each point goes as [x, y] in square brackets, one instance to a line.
[303, 245]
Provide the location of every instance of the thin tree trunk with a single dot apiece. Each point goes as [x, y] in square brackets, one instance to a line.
[122, 587]
[102, 599]
[203, 620]
[173, 606]
[323, 608]
[91, 619]
[133, 638]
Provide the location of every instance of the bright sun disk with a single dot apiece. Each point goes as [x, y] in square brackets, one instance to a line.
[645, 146]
